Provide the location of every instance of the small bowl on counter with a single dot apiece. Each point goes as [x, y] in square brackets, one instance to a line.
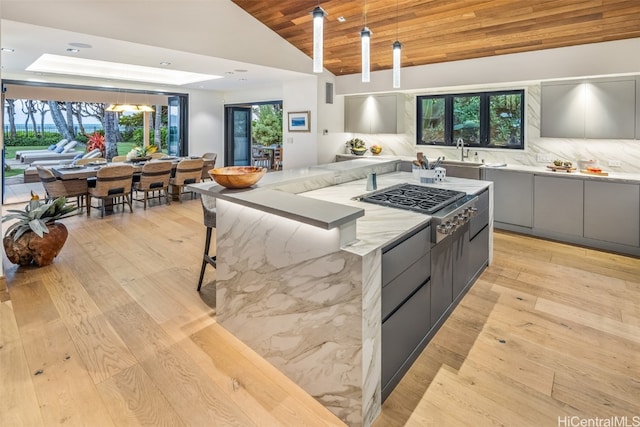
[237, 176]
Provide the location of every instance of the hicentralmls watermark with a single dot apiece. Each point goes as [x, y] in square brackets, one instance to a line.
[614, 421]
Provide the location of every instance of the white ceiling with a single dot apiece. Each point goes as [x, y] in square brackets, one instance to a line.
[29, 41]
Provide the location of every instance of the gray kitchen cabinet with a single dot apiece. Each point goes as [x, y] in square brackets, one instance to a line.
[612, 212]
[610, 111]
[441, 279]
[597, 108]
[406, 305]
[558, 205]
[382, 113]
[513, 196]
[562, 110]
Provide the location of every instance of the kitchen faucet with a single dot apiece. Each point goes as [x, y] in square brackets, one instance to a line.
[460, 144]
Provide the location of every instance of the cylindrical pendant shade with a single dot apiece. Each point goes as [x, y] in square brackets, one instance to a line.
[397, 58]
[365, 36]
[318, 23]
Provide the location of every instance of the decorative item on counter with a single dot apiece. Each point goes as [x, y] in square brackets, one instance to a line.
[357, 146]
[375, 149]
[441, 173]
[237, 176]
[583, 164]
[594, 170]
[560, 165]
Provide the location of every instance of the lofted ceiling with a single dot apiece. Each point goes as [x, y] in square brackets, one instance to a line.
[434, 31]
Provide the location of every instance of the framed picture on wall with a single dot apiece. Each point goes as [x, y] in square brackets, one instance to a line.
[299, 121]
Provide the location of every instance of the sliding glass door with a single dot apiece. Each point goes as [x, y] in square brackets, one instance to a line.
[237, 144]
[177, 139]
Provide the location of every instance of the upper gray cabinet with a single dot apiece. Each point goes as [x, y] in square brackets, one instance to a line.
[374, 113]
[599, 108]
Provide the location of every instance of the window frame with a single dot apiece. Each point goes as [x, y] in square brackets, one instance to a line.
[484, 119]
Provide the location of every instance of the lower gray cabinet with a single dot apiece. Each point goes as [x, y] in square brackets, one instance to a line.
[558, 205]
[513, 196]
[402, 335]
[479, 251]
[612, 212]
[441, 279]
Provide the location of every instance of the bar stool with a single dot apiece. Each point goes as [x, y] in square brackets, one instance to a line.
[209, 213]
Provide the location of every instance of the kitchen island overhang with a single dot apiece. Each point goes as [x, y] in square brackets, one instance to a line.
[304, 294]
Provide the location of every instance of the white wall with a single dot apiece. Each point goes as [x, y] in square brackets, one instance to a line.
[300, 149]
[206, 120]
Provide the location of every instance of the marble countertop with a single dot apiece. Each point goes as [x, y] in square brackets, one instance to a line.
[287, 194]
[624, 177]
[381, 225]
[629, 178]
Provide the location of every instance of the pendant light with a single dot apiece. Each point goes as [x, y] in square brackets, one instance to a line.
[365, 37]
[318, 22]
[397, 55]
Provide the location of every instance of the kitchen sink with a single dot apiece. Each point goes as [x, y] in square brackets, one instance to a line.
[459, 169]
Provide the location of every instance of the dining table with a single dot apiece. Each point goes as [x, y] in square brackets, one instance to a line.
[90, 170]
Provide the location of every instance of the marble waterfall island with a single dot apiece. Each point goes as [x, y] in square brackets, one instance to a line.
[301, 285]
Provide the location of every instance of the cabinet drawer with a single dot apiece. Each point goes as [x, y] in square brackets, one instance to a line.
[400, 255]
[478, 222]
[396, 291]
[479, 251]
[403, 332]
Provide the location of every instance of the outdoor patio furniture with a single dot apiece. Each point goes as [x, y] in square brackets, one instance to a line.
[68, 152]
[51, 148]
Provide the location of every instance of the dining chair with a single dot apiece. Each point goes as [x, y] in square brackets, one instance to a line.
[188, 171]
[55, 187]
[210, 163]
[277, 158]
[209, 213]
[113, 181]
[154, 177]
[259, 157]
[81, 162]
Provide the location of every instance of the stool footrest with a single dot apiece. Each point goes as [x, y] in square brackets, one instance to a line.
[210, 259]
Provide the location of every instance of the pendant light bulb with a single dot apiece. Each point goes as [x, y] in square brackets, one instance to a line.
[365, 36]
[318, 23]
[397, 58]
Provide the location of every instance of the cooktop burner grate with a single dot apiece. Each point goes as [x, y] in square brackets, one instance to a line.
[418, 198]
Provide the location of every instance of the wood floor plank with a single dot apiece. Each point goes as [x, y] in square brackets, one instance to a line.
[18, 401]
[102, 350]
[192, 395]
[601, 323]
[133, 400]
[274, 401]
[569, 317]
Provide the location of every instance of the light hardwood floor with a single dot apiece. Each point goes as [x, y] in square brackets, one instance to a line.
[114, 333]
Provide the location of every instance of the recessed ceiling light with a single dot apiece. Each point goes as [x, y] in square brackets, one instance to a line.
[165, 63]
[57, 64]
[81, 45]
[73, 50]
[240, 71]
[8, 49]
[342, 19]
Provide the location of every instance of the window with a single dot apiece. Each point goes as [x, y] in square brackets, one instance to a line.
[486, 119]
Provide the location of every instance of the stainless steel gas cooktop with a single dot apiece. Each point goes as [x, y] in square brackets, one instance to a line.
[418, 198]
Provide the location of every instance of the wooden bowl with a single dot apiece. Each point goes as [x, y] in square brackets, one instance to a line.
[237, 176]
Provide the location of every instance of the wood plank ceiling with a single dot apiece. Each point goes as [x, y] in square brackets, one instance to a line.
[433, 31]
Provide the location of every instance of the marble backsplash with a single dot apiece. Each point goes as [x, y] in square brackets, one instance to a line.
[538, 151]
